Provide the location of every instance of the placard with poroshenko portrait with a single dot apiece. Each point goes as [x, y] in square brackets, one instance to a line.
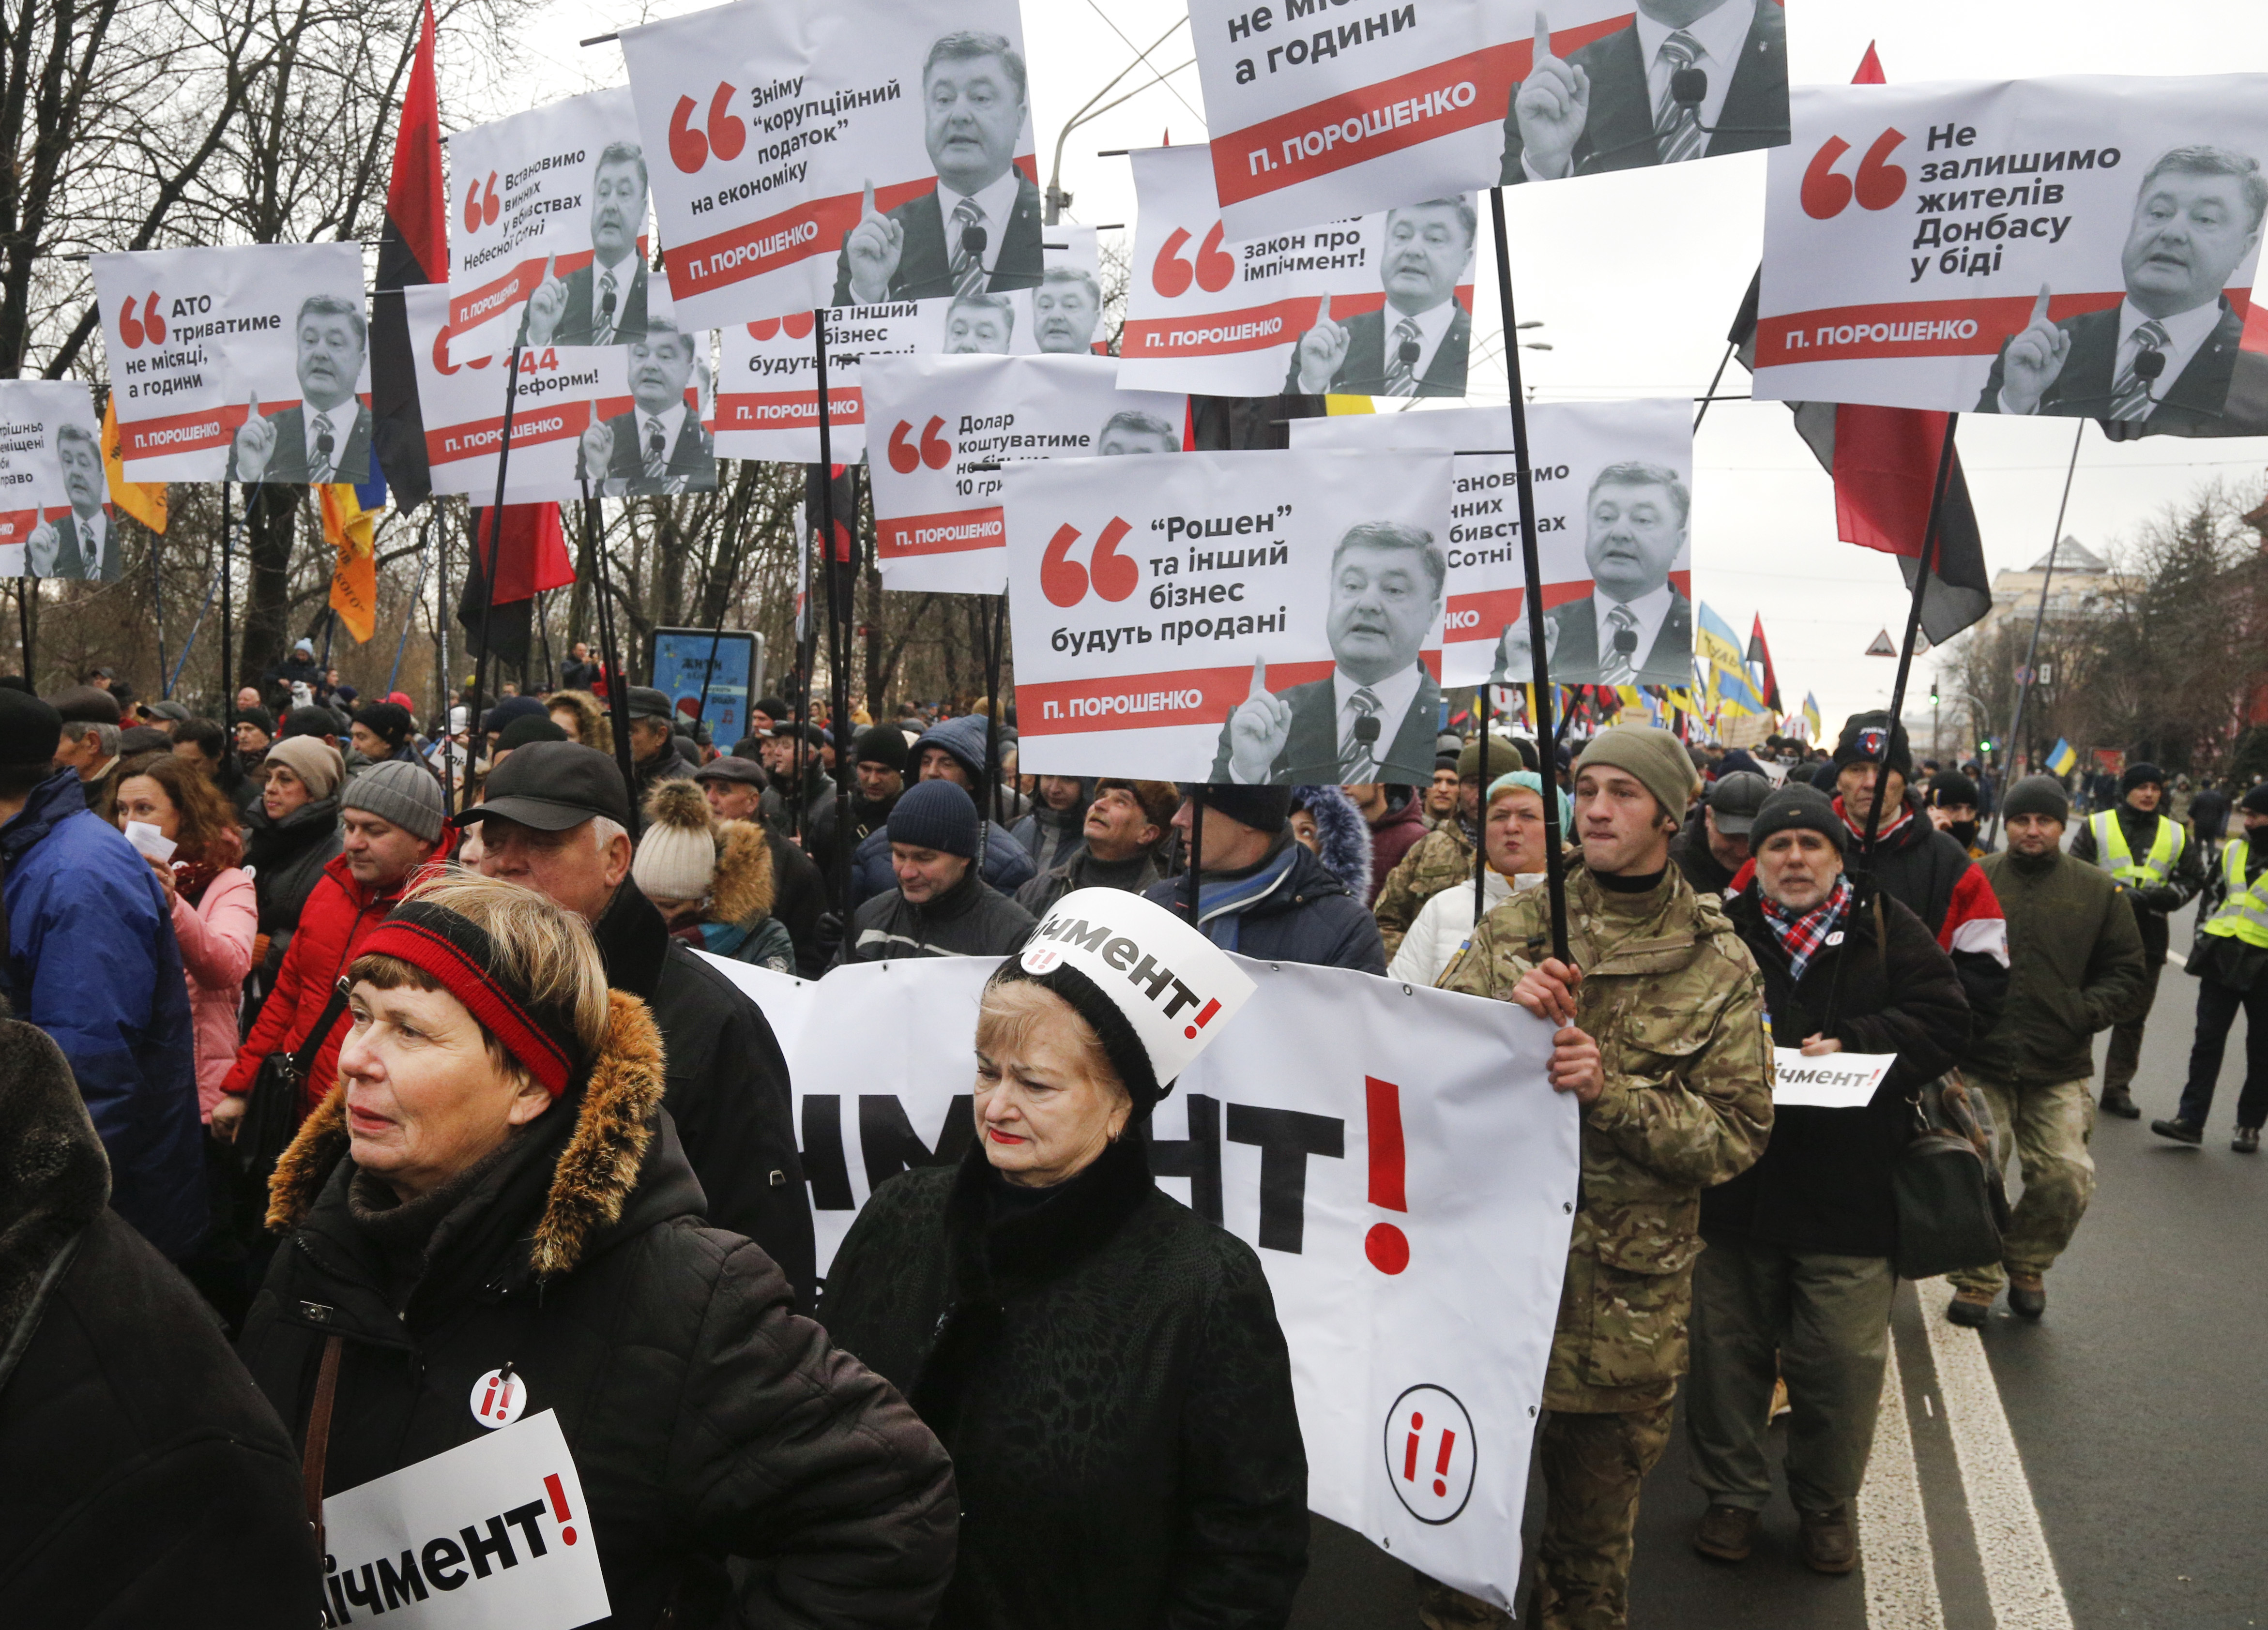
[1377, 305]
[1614, 535]
[54, 508]
[2076, 247]
[1325, 110]
[837, 152]
[1250, 617]
[768, 408]
[938, 420]
[547, 219]
[245, 364]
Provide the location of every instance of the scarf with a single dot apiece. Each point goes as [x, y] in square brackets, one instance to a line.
[1221, 905]
[1800, 935]
[1890, 822]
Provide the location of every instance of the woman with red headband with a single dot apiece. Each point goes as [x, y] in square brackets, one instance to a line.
[490, 1218]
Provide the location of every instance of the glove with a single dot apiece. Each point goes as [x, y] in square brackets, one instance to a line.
[827, 935]
[2162, 897]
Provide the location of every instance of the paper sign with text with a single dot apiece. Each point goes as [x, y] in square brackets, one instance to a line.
[1394, 1157]
[491, 1534]
[54, 511]
[1327, 308]
[836, 152]
[938, 420]
[1832, 1081]
[1212, 617]
[196, 337]
[2076, 247]
[1613, 480]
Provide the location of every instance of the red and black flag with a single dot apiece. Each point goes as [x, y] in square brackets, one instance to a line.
[413, 249]
[1760, 652]
[843, 479]
[530, 556]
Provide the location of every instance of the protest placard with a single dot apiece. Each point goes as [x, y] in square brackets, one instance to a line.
[55, 509]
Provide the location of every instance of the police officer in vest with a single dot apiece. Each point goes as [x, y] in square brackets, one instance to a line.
[2151, 857]
[2230, 960]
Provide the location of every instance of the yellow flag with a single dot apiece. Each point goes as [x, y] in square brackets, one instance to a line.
[1333, 405]
[144, 501]
[348, 528]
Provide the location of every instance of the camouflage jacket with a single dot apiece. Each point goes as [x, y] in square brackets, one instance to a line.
[1441, 859]
[1674, 1000]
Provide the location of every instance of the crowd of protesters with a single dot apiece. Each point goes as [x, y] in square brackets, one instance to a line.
[440, 1010]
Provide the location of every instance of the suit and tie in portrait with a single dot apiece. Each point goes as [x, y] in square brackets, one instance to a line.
[82, 541]
[979, 230]
[1634, 627]
[2165, 358]
[660, 446]
[1377, 716]
[579, 323]
[1613, 104]
[325, 436]
[1427, 249]
[576, 309]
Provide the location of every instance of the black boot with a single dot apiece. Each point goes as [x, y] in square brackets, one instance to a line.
[2120, 1102]
[2180, 1131]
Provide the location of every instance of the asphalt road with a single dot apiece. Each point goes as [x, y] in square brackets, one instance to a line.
[2107, 1466]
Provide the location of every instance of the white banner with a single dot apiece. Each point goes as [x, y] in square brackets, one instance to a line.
[1319, 111]
[491, 1534]
[559, 190]
[54, 508]
[1396, 1156]
[1832, 1081]
[938, 420]
[768, 408]
[1239, 318]
[198, 339]
[1613, 484]
[836, 152]
[1229, 616]
[2016, 246]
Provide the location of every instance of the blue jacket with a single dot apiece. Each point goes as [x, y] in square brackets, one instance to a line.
[1007, 865]
[93, 961]
[1312, 917]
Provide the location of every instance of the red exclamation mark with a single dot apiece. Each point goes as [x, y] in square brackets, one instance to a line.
[488, 1399]
[1410, 1449]
[1441, 1461]
[552, 1486]
[1204, 1017]
[1387, 1246]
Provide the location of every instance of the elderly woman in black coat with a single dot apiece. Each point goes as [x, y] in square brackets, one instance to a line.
[1105, 1367]
[493, 1190]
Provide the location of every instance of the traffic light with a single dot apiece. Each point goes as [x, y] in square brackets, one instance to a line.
[1933, 692]
[1983, 744]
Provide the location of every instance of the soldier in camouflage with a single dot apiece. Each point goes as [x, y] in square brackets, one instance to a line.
[1444, 856]
[1663, 1040]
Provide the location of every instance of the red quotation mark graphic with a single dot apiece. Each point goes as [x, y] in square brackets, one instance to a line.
[150, 327]
[552, 1487]
[441, 354]
[1440, 1460]
[482, 208]
[1113, 576]
[1214, 271]
[1879, 183]
[934, 451]
[796, 325]
[1387, 1246]
[688, 149]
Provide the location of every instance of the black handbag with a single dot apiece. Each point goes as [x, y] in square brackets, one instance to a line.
[1952, 1206]
[276, 1103]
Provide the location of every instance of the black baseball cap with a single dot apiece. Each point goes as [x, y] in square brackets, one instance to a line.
[553, 785]
[1735, 800]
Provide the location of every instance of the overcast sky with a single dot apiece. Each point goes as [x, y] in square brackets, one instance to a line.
[1635, 277]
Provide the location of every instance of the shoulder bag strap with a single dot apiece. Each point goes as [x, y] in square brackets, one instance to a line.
[302, 1062]
[319, 1435]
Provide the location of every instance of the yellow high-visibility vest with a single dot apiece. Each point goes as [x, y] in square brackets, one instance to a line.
[2244, 912]
[2154, 868]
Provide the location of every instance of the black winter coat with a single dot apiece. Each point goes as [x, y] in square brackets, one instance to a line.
[2152, 906]
[285, 857]
[1690, 848]
[967, 919]
[1824, 1181]
[1920, 867]
[1311, 917]
[799, 897]
[706, 1420]
[1108, 1374]
[728, 1086]
[143, 1479]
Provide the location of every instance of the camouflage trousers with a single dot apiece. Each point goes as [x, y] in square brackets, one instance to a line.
[2048, 1126]
[1593, 1466]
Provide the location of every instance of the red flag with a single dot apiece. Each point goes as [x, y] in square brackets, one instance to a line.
[530, 556]
[413, 249]
[1758, 651]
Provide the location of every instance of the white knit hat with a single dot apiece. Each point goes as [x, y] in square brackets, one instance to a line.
[675, 863]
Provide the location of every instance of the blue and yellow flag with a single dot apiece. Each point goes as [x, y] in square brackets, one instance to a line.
[2061, 757]
[1714, 643]
[1811, 716]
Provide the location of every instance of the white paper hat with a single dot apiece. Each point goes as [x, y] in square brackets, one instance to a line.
[1174, 987]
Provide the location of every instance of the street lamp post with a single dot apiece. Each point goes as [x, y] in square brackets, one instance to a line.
[1057, 199]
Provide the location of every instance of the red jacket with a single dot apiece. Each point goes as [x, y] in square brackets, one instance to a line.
[340, 915]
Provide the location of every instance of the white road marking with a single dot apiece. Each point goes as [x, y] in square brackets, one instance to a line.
[1893, 1533]
[2177, 959]
[2020, 1575]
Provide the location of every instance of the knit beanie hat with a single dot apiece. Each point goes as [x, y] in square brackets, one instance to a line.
[884, 745]
[1951, 789]
[398, 792]
[1264, 809]
[314, 761]
[1654, 757]
[310, 721]
[1534, 783]
[2038, 795]
[2143, 773]
[1502, 758]
[676, 855]
[1796, 807]
[259, 718]
[525, 729]
[1862, 738]
[935, 815]
[2255, 801]
[30, 729]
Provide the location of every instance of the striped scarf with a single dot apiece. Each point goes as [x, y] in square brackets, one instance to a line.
[1221, 905]
[1800, 935]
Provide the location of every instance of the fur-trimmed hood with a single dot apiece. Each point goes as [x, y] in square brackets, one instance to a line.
[615, 1118]
[54, 1177]
[742, 887]
[1343, 834]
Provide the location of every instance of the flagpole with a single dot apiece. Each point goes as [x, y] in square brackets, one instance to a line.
[227, 605]
[441, 649]
[1480, 814]
[488, 570]
[158, 615]
[424, 538]
[1555, 865]
[838, 645]
[618, 689]
[733, 511]
[2032, 650]
[190, 643]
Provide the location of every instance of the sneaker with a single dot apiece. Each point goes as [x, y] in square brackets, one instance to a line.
[1969, 1308]
[1726, 1532]
[2247, 1141]
[1830, 1545]
[2180, 1131]
[2028, 1294]
[2119, 1102]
